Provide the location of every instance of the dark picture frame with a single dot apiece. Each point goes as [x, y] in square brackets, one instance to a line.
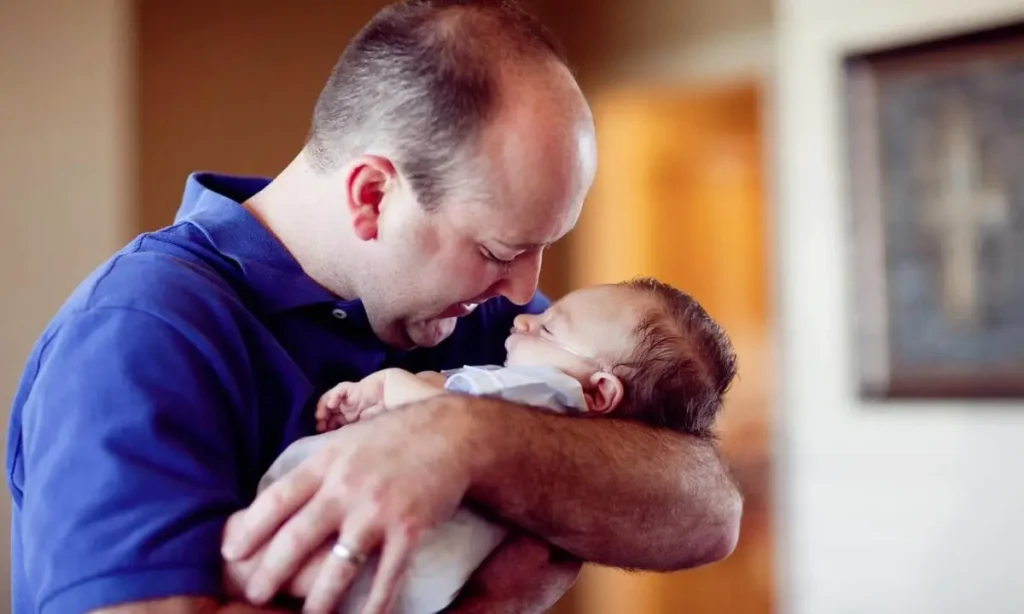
[935, 152]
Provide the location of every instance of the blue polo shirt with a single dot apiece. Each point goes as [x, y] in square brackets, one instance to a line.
[165, 387]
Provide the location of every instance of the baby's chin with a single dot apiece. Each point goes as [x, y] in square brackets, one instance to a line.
[518, 359]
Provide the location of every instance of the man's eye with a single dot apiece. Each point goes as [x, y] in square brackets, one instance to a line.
[544, 329]
[490, 256]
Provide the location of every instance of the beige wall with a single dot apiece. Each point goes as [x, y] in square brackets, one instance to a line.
[227, 90]
[64, 168]
[896, 508]
[233, 91]
[615, 43]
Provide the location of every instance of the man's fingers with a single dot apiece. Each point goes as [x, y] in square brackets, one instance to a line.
[353, 550]
[248, 529]
[335, 577]
[290, 548]
[302, 583]
[233, 528]
[393, 561]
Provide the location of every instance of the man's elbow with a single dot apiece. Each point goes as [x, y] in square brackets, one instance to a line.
[714, 537]
[724, 528]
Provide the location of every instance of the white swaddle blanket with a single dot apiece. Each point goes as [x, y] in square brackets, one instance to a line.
[448, 555]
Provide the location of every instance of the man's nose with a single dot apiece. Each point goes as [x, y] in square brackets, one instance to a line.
[520, 284]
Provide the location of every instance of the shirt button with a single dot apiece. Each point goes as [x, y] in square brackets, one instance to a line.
[339, 314]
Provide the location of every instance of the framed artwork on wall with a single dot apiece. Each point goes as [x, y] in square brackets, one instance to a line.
[935, 135]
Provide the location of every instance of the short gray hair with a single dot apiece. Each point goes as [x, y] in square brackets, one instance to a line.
[419, 83]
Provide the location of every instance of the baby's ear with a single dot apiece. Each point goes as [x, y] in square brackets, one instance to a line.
[605, 392]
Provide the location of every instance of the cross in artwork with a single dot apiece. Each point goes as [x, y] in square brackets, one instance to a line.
[965, 202]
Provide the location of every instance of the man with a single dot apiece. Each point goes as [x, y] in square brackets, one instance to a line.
[448, 149]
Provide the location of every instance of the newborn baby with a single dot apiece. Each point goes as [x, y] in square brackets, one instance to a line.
[639, 350]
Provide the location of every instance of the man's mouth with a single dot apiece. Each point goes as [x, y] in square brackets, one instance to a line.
[458, 310]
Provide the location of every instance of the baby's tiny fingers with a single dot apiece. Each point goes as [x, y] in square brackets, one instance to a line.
[332, 400]
[322, 408]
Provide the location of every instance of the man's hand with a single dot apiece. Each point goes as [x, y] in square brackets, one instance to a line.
[379, 484]
[185, 605]
[237, 574]
[523, 576]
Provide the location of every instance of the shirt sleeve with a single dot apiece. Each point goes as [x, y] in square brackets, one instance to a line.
[130, 462]
[538, 304]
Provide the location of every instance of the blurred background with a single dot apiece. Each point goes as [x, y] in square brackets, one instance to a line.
[723, 170]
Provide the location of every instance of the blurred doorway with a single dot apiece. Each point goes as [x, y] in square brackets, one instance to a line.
[680, 196]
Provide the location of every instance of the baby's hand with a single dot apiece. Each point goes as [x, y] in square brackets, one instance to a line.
[329, 412]
[344, 404]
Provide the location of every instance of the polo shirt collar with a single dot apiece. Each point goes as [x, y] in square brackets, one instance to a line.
[212, 203]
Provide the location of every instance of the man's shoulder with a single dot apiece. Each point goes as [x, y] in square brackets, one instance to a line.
[147, 297]
[154, 297]
[160, 274]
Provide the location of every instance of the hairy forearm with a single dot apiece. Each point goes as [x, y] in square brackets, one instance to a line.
[610, 492]
[523, 576]
[185, 605]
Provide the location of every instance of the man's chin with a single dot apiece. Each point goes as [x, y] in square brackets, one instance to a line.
[429, 333]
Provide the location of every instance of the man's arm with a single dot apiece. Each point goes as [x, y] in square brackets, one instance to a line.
[523, 576]
[185, 605]
[610, 492]
[614, 493]
[130, 457]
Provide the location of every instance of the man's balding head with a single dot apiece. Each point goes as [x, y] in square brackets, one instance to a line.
[420, 83]
[449, 148]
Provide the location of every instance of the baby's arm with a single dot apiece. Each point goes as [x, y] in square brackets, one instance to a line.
[386, 389]
[401, 387]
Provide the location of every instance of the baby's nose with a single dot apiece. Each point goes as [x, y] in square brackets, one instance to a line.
[523, 323]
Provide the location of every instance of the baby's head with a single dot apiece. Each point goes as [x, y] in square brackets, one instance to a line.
[641, 349]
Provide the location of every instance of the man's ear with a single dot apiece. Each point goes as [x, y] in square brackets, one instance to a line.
[605, 392]
[368, 182]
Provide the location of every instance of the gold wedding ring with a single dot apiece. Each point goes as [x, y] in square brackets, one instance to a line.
[348, 554]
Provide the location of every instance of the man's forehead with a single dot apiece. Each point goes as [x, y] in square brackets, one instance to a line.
[529, 230]
[514, 222]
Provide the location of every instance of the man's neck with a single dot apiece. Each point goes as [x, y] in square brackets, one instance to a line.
[292, 209]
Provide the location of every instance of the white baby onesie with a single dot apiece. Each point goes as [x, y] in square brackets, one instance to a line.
[448, 555]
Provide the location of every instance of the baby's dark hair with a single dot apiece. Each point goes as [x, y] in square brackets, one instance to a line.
[682, 365]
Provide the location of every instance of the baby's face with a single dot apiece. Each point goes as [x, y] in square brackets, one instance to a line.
[589, 330]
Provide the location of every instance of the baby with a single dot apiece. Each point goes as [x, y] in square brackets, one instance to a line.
[639, 350]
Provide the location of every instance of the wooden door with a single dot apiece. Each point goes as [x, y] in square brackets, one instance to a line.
[680, 196]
